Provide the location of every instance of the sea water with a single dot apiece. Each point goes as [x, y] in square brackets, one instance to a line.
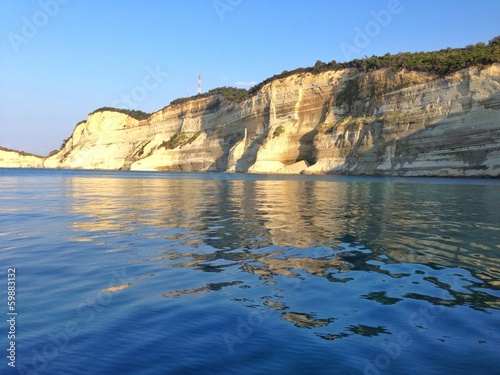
[192, 273]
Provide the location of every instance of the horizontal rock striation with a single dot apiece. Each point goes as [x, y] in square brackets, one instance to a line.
[17, 159]
[381, 122]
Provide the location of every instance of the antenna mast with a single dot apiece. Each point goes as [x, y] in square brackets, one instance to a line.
[199, 83]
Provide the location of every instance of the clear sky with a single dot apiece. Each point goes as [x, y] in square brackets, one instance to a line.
[62, 59]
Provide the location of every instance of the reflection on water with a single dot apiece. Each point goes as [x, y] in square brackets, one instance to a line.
[272, 228]
[334, 259]
[208, 287]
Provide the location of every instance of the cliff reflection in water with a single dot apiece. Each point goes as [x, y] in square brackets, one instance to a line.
[272, 228]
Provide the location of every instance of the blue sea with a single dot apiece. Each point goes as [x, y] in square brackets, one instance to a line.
[210, 273]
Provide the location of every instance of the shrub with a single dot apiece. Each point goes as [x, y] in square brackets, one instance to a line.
[233, 94]
[175, 141]
[194, 136]
[23, 153]
[441, 62]
[138, 115]
[180, 139]
[278, 131]
[325, 127]
[63, 144]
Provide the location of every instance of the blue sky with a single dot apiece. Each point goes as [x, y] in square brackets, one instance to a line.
[61, 59]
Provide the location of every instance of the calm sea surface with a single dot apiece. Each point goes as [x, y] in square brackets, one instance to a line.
[162, 273]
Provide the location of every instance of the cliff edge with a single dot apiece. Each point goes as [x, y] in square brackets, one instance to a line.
[410, 114]
[381, 122]
[18, 159]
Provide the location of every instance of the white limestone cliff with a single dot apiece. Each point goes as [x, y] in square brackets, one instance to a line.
[16, 159]
[346, 122]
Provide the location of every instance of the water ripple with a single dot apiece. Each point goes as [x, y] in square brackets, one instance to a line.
[314, 275]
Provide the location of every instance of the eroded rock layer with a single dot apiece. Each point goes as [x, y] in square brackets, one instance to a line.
[344, 122]
[16, 159]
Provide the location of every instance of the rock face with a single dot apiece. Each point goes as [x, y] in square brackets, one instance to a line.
[343, 122]
[16, 159]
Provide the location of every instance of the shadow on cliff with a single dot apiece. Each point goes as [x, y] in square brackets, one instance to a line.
[307, 148]
[249, 157]
[212, 108]
[229, 136]
[453, 142]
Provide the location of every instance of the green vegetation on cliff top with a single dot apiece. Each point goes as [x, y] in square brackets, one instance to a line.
[138, 115]
[233, 94]
[23, 153]
[441, 62]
